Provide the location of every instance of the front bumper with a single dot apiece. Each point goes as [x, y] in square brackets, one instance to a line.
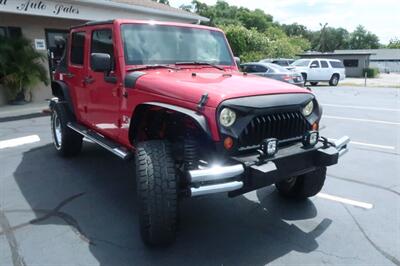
[247, 173]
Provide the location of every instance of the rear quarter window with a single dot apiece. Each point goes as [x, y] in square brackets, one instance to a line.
[336, 64]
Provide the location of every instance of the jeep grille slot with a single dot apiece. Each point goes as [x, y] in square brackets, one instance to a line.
[286, 127]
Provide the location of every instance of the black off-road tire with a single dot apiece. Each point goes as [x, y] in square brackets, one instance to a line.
[303, 186]
[314, 83]
[334, 81]
[157, 191]
[66, 141]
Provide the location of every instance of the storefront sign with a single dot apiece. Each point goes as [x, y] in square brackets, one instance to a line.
[40, 7]
[40, 44]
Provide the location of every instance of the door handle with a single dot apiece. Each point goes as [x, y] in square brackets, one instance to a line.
[88, 80]
[68, 75]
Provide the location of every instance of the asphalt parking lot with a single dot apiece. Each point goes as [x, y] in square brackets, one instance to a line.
[81, 211]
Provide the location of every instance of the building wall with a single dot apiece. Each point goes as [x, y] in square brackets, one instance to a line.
[387, 66]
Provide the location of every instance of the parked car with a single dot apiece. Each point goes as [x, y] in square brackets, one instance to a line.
[320, 70]
[279, 61]
[274, 71]
[170, 96]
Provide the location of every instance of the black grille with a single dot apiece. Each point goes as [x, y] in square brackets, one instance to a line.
[285, 126]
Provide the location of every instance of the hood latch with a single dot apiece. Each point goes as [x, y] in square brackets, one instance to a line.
[203, 101]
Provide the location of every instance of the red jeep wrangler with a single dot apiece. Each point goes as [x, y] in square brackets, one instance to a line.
[170, 95]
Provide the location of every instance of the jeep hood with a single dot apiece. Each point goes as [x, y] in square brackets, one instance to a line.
[190, 85]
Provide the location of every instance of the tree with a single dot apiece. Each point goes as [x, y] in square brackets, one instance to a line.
[360, 38]
[394, 44]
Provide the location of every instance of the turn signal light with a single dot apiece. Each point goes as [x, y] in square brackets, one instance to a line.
[228, 143]
[315, 126]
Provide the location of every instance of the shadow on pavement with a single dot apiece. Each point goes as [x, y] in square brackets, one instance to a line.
[94, 194]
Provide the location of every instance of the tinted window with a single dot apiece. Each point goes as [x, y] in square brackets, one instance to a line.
[77, 48]
[102, 43]
[350, 62]
[281, 62]
[3, 32]
[336, 64]
[315, 63]
[324, 64]
[254, 69]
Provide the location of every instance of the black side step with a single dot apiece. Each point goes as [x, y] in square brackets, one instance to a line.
[107, 144]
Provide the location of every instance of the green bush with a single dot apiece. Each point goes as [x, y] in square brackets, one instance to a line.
[371, 72]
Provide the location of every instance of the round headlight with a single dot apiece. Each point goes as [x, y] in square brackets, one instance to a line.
[308, 109]
[227, 117]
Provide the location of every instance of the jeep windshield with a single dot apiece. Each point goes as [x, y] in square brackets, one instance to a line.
[147, 44]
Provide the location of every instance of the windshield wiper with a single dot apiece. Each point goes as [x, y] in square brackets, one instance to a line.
[152, 67]
[199, 64]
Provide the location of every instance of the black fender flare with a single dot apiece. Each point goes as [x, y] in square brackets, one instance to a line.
[61, 91]
[197, 117]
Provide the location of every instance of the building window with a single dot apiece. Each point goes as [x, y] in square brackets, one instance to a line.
[350, 62]
[10, 32]
[77, 48]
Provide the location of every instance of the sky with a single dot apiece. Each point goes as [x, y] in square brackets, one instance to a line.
[380, 17]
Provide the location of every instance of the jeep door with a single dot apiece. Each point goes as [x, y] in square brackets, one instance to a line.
[77, 65]
[103, 88]
[314, 72]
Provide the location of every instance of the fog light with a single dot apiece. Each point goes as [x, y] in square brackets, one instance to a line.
[310, 138]
[269, 147]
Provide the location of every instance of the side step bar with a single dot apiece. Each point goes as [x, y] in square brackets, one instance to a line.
[210, 189]
[107, 144]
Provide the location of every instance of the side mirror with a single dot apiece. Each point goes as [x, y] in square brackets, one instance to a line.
[100, 62]
[314, 66]
[237, 61]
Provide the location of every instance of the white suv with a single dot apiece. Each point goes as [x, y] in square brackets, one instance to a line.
[318, 70]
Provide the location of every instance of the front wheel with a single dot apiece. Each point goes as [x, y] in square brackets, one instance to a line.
[157, 190]
[303, 186]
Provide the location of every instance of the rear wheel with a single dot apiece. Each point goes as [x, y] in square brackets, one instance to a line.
[314, 83]
[303, 186]
[157, 189]
[334, 81]
[66, 141]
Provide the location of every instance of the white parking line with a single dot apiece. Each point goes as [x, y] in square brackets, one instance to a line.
[19, 141]
[362, 107]
[360, 204]
[370, 145]
[362, 120]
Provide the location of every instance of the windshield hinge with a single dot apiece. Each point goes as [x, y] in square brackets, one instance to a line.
[203, 101]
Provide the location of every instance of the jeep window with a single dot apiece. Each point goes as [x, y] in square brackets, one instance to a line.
[301, 63]
[324, 64]
[77, 48]
[102, 42]
[157, 44]
[336, 64]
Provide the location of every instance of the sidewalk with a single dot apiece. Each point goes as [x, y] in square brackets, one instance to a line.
[16, 112]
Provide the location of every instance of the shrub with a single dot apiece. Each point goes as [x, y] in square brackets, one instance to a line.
[371, 72]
